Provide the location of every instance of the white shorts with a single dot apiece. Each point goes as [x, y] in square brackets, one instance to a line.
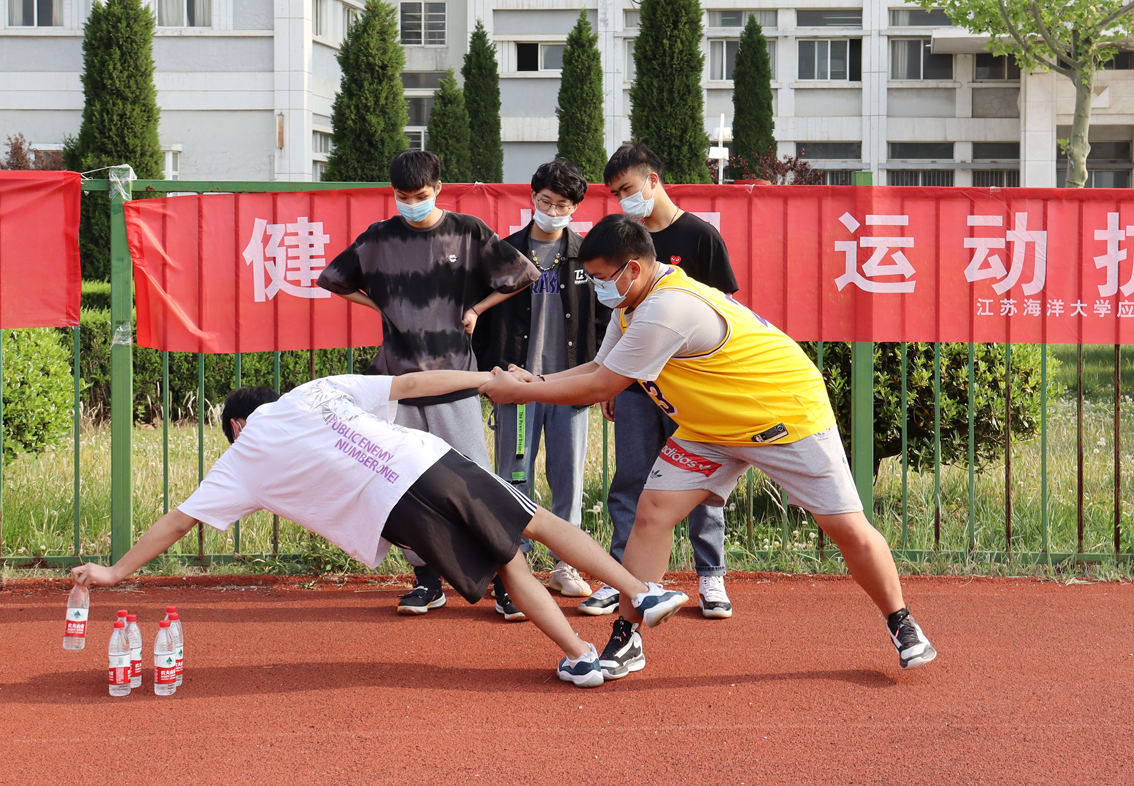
[814, 471]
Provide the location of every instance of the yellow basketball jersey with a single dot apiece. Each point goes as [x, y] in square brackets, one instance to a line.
[756, 387]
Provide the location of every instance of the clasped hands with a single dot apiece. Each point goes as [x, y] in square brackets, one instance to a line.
[507, 387]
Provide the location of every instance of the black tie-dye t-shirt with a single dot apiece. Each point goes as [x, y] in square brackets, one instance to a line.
[423, 281]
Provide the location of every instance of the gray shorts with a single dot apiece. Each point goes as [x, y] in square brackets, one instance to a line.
[814, 471]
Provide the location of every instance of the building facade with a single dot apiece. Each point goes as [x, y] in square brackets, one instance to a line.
[246, 86]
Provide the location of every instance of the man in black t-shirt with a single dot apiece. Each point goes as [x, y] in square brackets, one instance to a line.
[422, 271]
[634, 175]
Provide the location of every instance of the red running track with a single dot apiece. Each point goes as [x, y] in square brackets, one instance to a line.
[286, 685]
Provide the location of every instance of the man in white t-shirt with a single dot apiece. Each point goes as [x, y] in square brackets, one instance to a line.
[329, 457]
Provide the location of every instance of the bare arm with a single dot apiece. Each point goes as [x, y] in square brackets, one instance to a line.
[497, 297]
[436, 383]
[599, 384]
[169, 529]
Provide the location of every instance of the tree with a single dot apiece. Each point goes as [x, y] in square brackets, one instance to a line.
[752, 123]
[581, 121]
[448, 130]
[368, 117]
[22, 156]
[1073, 38]
[785, 171]
[120, 115]
[482, 99]
[668, 107]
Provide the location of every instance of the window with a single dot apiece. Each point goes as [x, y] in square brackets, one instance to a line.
[831, 60]
[171, 169]
[416, 138]
[996, 178]
[931, 151]
[991, 67]
[829, 151]
[919, 17]
[422, 80]
[1097, 178]
[848, 17]
[722, 59]
[318, 168]
[35, 13]
[1123, 61]
[419, 109]
[836, 177]
[539, 57]
[631, 69]
[350, 16]
[185, 13]
[319, 19]
[920, 177]
[911, 58]
[996, 151]
[320, 143]
[632, 20]
[738, 18]
[423, 24]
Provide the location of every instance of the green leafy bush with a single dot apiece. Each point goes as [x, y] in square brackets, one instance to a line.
[96, 295]
[38, 391]
[989, 400]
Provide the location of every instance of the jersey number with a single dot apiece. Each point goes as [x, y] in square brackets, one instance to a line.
[653, 389]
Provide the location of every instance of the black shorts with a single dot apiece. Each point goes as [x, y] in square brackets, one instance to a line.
[462, 520]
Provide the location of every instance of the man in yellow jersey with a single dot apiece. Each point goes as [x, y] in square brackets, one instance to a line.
[742, 393]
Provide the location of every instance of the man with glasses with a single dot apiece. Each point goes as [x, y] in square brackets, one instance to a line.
[555, 325]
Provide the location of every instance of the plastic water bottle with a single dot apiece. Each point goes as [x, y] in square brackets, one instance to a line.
[134, 637]
[123, 614]
[119, 661]
[165, 661]
[78, 606]
[179, 644]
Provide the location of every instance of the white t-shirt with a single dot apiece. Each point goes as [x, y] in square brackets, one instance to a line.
[328, 456]
[666, 324]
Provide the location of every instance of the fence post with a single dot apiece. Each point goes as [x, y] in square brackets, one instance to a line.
[862, 405]
[121, 368]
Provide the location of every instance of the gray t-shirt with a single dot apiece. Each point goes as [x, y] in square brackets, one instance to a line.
[666, 324]
[547, 345]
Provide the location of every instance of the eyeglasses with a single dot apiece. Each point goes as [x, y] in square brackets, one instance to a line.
[613, 277]
[545, 205]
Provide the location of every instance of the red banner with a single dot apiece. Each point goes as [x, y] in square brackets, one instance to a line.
[222, 273]
[40, 274]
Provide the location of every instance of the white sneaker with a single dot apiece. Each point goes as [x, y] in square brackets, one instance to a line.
[566, 581]
[714, 600]
[603, 601]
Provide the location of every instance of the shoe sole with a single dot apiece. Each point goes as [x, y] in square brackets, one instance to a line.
[580, 593]
[434, 604]
[919, 661]
[659, 614]
[637, 664]
[515, 617]
[714, 614]
[590, 680]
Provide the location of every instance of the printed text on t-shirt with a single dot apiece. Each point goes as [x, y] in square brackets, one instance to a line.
[362, 450]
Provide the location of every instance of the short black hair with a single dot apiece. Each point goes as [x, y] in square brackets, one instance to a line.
[241, 403]
[637, 157]
[413, 170]
[563, 178]
[618, 239]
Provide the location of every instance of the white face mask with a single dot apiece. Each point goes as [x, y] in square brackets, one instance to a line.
[549, 223]
[636, 206]
[607, 291]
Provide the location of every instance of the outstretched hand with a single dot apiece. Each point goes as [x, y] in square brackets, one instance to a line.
[505, 388]
[92, 575]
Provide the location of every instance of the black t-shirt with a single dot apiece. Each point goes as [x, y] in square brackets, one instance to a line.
[697, 248]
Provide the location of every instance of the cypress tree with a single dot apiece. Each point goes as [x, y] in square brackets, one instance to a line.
[448, 131]
[482, 99]
[752, 123]
[120, 115]
[368, 117]
[580, 102]
[668, 111]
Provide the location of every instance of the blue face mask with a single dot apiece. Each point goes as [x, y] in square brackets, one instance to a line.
[417, 213]
[607, 291]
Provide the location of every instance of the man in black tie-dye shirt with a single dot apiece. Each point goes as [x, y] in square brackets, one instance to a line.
[430, 273]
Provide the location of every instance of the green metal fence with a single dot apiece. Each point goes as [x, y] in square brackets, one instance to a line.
[944, 522]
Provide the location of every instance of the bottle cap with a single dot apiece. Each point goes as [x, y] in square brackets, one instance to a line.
[163, 624]
[122, 612]
[170, 609]
[174, 617]
[132, 618]
[120, 624]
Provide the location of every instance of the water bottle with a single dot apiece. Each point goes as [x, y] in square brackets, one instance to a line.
[119, 661]
[123, 614]
[178, 643]
[78, 606]
[165, 661]
[134, 637]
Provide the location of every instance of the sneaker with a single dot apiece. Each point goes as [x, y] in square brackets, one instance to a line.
[714, 600]
[505, 606]
[623, 653]
[657, 604]
[603, 601]
[566, 581]
[421, 599]
[913, 647]
[584, 672]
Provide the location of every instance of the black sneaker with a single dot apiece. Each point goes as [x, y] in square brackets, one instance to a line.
[623, 653]
[421, 599]
[913, 647]
[505, 606]
[604, 600]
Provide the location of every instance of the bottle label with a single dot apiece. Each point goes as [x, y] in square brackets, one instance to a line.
[180, 660]
[76, 623]
[165, 669]
[136, 662]
[119, 669]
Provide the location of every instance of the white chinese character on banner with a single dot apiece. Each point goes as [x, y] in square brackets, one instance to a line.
[1019, 237]
[1102, 307]
[1113, 235]
[1078, 305]
[1055, 308]
[876, 266]
[1032, 307]
[291, 261]
[1008, 307]
[1125, 308]
[984, 307]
